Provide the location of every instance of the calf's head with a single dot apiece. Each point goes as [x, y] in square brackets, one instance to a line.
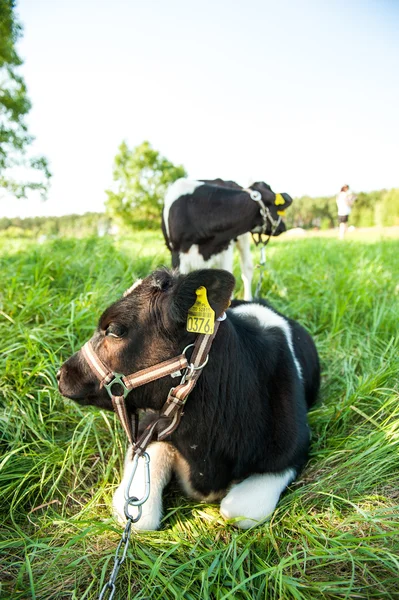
[145, 327]
[275, 203]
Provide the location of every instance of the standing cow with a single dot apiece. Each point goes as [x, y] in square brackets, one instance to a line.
[202, 220]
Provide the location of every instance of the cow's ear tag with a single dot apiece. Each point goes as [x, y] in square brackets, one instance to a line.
[279, 200]
[201, 317]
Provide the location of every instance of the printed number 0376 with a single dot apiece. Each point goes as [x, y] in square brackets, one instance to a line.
[197, 324]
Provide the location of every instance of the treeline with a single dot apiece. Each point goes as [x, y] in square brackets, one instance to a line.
[68, 225]
[379, 208]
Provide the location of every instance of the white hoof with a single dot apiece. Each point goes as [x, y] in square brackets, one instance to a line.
[255, 498]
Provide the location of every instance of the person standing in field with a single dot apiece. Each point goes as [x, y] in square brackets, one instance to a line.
[345, 200]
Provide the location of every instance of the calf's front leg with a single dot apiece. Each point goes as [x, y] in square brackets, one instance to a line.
[255, 498]
[161, 465]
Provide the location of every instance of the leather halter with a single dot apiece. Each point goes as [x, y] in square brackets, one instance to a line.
[109, 378]
[171, 412]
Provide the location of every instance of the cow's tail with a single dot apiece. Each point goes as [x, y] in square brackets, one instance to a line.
[165, 235]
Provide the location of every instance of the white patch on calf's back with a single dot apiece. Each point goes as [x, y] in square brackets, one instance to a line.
[255, 498]
[180, 187]
[266, 318]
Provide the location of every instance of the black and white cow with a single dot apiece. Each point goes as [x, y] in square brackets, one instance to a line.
[244, 434]
[202, 220]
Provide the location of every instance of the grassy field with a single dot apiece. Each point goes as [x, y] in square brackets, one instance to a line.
[335, 533]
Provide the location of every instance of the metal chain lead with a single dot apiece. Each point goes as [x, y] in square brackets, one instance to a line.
[266, 215]
[261, 266]
[109, 588]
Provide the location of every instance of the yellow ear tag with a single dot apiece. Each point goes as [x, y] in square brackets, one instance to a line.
[201, 317]
[279, 200]
[281, 213]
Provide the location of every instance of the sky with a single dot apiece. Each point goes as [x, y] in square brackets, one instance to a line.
[301, 94]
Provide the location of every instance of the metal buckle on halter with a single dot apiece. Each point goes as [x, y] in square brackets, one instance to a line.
[176, 374]
[172, 399]
[191, 364]
[255, 195]
[189, 372]
[117, 378]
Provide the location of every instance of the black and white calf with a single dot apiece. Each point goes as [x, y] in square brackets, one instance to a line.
[202, 220]
[244, 434]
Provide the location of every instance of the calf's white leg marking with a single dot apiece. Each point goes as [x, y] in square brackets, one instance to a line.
[191, 260]
[180, 187]
[255, 498]
[161, 464]
[224, 260]
[268, 318]
[247, 269]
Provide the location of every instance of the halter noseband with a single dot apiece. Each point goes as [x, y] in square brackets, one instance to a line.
[108, 378]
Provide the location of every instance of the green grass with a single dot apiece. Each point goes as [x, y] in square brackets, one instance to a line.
[335, 533]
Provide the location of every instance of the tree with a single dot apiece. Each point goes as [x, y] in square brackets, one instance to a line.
[142, 176]
[14, 106]
[390, 208]
[365, 209]
[310, 212]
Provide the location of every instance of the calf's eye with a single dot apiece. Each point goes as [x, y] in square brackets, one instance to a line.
[115, 330]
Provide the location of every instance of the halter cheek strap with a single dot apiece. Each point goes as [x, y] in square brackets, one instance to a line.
[172, 410]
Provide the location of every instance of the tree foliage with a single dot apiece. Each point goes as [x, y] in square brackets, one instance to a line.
[379, 207]
[142, 176]
[389, 211]
[14, 106]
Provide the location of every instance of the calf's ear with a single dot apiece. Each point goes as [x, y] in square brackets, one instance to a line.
[219, 286]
